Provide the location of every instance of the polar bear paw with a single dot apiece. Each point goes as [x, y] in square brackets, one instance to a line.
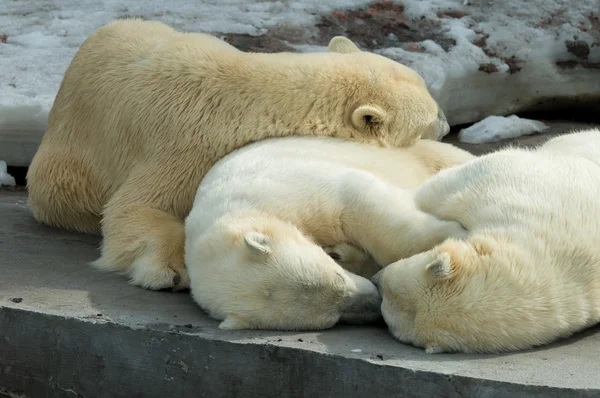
[344, 253]
[352, 259]
[149, 270]
[151, 274]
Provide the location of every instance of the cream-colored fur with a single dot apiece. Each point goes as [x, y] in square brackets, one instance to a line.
[529, 271]
[144, 111]
[300, 194]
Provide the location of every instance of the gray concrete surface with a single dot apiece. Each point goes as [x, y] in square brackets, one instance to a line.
[67, 330]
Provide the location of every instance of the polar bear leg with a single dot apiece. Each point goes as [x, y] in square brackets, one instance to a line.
[384, 220]
[64, 190]
[142, 241]
[145, 244]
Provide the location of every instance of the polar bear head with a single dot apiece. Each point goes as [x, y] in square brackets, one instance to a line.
[387, 100]
[262, 273]
[460, 297]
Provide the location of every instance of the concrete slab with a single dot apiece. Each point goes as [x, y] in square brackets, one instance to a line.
[67, 330]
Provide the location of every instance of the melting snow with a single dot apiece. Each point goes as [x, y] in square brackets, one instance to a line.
[42, 37]
[5, 178]
[496, 128]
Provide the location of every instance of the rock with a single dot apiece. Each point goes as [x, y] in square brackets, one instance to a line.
[580, 48]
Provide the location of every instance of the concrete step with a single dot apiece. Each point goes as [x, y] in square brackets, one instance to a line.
[67, 330]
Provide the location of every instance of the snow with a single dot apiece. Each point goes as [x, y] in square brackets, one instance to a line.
[468, 94]
[496, 128]
[42, 37]
[5, 178]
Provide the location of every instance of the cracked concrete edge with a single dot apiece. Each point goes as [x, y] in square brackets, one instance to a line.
[44, 355]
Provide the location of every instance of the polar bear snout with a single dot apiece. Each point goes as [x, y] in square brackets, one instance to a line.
[363, 302]
[438, 128]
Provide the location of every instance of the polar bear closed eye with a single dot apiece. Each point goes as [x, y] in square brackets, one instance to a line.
[527, 274]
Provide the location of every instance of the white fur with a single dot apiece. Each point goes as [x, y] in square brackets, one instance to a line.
[300, 194]
[529, 271]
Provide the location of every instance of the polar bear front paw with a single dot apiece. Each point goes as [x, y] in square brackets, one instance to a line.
[150, 274]
[148, 270]
[352, 259]
[344, 253]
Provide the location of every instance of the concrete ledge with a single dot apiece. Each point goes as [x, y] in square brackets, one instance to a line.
[69, 331]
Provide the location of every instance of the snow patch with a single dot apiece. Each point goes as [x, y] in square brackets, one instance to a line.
[518, 47]
[36, 40]
[497, 128]
[42, 37]
[505, 56]
[5, 178]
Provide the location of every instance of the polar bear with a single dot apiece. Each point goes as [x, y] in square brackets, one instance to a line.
[262, 215]
[527, 274]
[144, 111]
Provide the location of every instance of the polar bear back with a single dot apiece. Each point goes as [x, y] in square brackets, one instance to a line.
[517, 194]
[297, 177]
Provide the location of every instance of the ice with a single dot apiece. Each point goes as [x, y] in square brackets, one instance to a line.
[5, 178]
[496, 128]
[530, 38]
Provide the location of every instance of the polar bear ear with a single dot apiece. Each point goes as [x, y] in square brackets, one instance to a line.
[441, 267]
[342, 45]
[367, 116]
[258, 243]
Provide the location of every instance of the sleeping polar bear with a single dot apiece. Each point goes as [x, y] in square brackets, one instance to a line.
[527, 274]
[262, 214]
[144, 111]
